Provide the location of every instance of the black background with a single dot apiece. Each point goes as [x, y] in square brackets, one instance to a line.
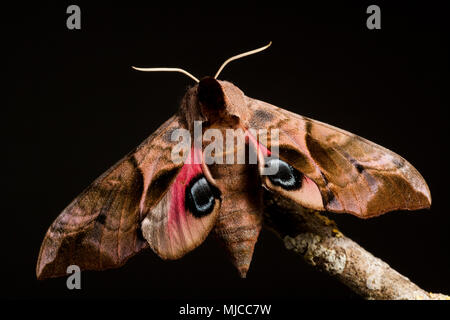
[75, 106]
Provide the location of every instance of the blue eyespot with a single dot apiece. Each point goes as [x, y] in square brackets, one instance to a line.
[286, 176]
[200, 197]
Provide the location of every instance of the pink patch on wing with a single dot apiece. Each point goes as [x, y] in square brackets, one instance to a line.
[177, 208]
[259, 147]
[307, 181]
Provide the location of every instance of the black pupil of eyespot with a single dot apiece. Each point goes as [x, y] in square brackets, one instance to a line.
[286, 176]
[200, 198]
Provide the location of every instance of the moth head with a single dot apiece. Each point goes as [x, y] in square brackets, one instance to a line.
[221, 100]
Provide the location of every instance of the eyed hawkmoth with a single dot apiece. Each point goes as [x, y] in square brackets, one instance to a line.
[149, 200]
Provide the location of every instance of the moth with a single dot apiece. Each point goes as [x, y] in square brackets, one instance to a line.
[148, 200]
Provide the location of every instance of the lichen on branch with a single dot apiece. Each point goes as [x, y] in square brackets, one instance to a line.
[318, 240]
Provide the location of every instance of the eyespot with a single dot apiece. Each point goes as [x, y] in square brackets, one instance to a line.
[200, 197]
[286, 176]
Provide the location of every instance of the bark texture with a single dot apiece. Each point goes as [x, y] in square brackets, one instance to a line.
[318, 240]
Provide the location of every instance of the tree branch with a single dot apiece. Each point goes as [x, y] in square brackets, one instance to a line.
[318, 240]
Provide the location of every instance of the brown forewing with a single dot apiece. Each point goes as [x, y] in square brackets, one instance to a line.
[100, 229]
[353, 174]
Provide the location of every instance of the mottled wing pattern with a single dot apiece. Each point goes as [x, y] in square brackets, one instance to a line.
[100, 228]
[353, 174]
[169, 227]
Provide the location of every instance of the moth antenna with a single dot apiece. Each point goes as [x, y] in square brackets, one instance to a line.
[167, 69]
[241, 56]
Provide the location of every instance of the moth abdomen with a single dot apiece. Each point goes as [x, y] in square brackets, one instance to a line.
[240, 216]
[238, 229]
